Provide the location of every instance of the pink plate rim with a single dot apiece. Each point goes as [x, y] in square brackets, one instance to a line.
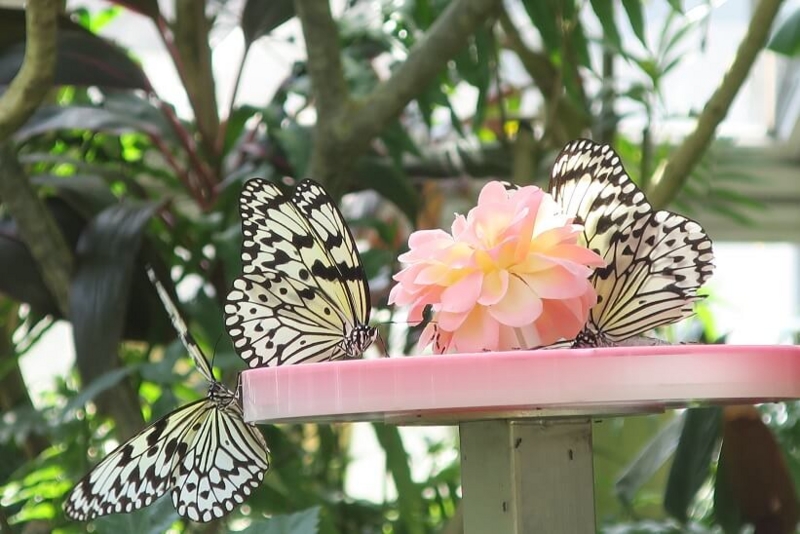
[438, 389]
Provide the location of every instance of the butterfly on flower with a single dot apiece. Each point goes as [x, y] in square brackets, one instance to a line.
[204, 453]
[303, 295]
[590, 264]
[656, 260]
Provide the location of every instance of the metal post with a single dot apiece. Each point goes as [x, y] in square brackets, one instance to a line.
[528, 476]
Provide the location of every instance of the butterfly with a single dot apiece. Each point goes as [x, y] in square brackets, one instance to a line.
[656, 260]
[203, 452]
[303, 295]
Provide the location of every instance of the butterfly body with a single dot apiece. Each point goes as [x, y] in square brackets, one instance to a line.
[203, 453]
[357, 340]
[303, 295]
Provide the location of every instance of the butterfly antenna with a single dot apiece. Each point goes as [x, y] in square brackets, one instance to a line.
[214, 353]
[382, 343]
[427, 318]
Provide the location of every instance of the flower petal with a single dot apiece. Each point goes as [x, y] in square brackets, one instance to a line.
[495, 286]
[478, 333]
[519, 306]
[461, 296]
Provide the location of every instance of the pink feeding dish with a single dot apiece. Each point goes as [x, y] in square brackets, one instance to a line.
[447, 389]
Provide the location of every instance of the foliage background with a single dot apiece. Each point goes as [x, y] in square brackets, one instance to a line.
[99, 175]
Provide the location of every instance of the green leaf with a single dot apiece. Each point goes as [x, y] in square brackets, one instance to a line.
[398, 142]
[545, 20]
[259, 18]
[741, 199]
[676, 5]
[18, 424]
[786, 40]
[22, 280]
[604, 9]
[691, 466]
[235, 132]
[636, 17]
[389, 182]
[99, 290]
[409, 499]
[670, 42]
[295, 140]
[652, 456]
[375, 261]
[148, 8]
[82, 58]
[87, 195]
[581, 46]
[305, 522]
[155, 519]
[99, 385]
[91, 118]
[726, 510]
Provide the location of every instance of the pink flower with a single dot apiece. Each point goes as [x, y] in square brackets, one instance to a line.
[510, 275]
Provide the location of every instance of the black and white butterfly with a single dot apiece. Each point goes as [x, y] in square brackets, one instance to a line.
[204, 453]
[303, 295]
[655, 260]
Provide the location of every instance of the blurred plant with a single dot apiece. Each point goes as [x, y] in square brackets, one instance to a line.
[106, 176]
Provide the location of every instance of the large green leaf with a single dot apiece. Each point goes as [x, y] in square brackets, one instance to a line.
[148, 8]
[543, 16]
[649, 461]
[82, 58]
[409, 499]
[604, 9]
[91, 118]
[304, 522]
[389, 182]
[21, 279]
[259, 18]
[726, 509]
[87, 394]
[786, 40]
[691, 467]
[87, 195]
[635, 13]
[105, 259]
[155, 519]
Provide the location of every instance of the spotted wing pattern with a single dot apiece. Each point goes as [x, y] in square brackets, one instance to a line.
[330, 229]
[203, 452]
[590, 184]
[303, 295]
[656, 260]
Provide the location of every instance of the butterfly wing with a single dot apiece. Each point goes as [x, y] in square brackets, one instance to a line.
[330, 228]
[205, 452]
[302, 295]
[590, 184]
[224, 463]
[140, 470]
[276, 320]
[655, 267]
[656, 260]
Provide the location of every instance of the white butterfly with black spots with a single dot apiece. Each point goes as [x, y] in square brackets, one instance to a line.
[204, 453]
[303, 295]
[655, 260]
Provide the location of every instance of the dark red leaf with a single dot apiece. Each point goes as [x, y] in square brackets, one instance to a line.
[83, 58]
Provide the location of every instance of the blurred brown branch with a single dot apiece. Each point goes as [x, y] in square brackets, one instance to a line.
[679, 167]
[345, 126]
